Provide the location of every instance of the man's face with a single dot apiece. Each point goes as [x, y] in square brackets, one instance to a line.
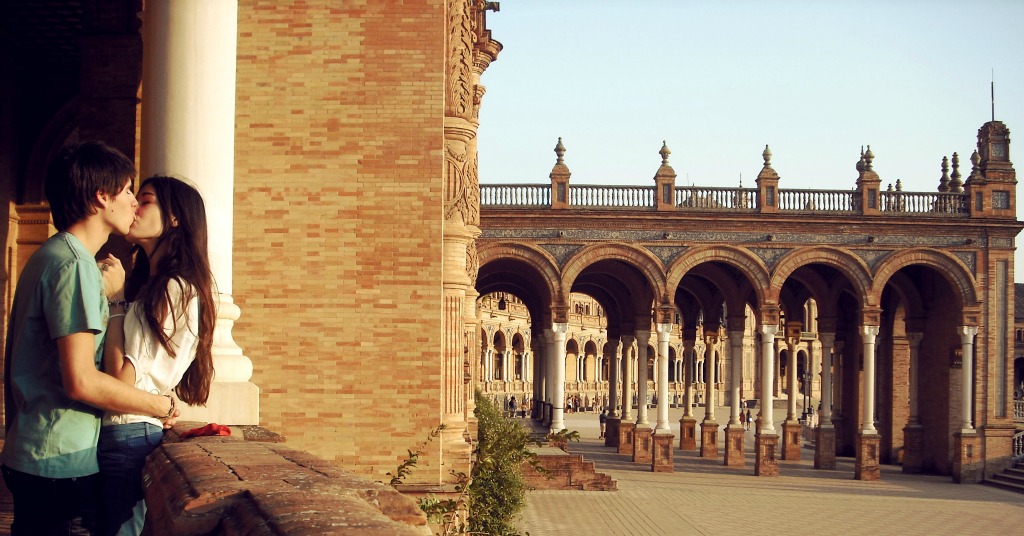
[120, 211]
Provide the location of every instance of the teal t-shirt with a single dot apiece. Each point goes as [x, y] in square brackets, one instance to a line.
[60, 292]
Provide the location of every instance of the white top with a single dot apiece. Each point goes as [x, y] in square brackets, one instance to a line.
[157, 371]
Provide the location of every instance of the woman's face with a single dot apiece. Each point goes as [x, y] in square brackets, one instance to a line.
[149, 223]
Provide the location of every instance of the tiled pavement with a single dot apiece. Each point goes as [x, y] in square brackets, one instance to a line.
[705, 497]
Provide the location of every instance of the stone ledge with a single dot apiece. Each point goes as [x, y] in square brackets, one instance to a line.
[224, 485]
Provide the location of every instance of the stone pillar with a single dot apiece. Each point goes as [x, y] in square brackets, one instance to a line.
[539, 376]
[626, 426]
[791, 428]
[611, 351]
[825, 441]
[188, 130]
[967, 334]
[709, 426]
[913, 433]
[765, 463]
[627, 378]
[643, 339]
[866, 466]
[687, 423]
[734, 431]
[558, 332]
[664, 332]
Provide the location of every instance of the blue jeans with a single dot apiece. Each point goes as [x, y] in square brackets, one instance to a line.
[122, 454]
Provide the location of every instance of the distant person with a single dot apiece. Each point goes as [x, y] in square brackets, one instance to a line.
[603, 419]
[749, 421]
[58, 322]
[512, 406]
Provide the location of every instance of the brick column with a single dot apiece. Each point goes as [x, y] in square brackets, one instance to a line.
[188, 130]
[662, 460]
[642, 444]
[968, 465]
[866, 466]
[626, 437]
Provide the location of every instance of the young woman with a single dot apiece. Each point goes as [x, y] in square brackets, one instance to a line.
[160, 341]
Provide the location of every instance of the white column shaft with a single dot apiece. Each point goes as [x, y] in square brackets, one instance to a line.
[736, 360]
[643, 338]
[558, 395]
[709, 379]
[627, 378]
[613, 378]
[967, 334]
[868, 419]
[793, 392]
[827, 340]
[767, 374]
[664, 331]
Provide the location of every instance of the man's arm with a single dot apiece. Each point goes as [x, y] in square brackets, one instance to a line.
[82, 382]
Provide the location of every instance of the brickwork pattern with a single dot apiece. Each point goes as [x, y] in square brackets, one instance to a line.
[337, 260]
[224, 485]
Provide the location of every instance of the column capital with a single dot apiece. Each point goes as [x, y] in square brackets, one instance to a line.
[663, 330]
[967, 333]
[769, 330]
[827, 339]
[643, 336]
[915, 337]
[869, 332]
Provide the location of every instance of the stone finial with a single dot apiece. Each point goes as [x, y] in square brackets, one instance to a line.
[944, 179]
[767, 155]
[868, 157]
[888, 187]
[955, 184]
[860, 163]
[899, 185]
[664, 152]
[559, 151]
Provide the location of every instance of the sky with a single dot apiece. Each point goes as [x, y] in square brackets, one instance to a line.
[718, 80]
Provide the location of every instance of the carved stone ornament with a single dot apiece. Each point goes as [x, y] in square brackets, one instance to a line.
[459, 94]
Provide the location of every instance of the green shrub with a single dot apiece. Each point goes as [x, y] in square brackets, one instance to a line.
[497, 490]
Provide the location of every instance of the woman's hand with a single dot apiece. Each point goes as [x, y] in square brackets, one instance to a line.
[113, 277]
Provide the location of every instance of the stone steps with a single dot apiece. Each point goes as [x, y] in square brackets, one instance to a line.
[1010, 479]
[564, 471]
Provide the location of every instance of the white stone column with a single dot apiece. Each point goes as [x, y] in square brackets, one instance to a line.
[643, 339]
[540, 393]
[627, 377]
[792, 393]
[767, 374]
[550, 357]
[827, 341]
[736, 362]
[868, 419]
[558, 330]
[710, 353]
[612, 349]
[688, 369]
[967, 334]
[914, 338]
[188, 131]
[664, 332]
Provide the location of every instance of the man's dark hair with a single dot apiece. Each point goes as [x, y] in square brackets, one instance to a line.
[80, 171]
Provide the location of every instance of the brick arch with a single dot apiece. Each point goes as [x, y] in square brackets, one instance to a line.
[952, 268]
[743, 260]
[850, 265]
[540, 260]
[641, 259]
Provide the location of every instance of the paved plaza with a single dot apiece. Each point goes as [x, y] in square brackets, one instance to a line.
[705, 497]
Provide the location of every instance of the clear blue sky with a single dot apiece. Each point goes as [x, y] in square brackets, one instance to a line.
[717, 81]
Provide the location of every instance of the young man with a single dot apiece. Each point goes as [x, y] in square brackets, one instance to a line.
[53, 386]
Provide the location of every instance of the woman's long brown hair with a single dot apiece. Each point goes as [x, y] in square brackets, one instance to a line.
[185, 258]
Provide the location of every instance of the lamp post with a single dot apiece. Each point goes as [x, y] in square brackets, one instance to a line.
[807, 395]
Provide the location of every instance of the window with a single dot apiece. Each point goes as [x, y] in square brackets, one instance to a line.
[1000, 199]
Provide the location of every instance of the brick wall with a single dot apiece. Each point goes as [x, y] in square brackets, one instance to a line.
[338, 214]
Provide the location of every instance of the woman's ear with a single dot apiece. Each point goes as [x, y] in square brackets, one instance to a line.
[174, 221]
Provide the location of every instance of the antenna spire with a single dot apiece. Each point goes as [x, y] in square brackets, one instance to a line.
[993, 93]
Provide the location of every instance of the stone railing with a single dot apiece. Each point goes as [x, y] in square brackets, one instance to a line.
[1018, 446]
[1018, 409]
[715, 199]
[251, 483]
[719, 199]
[817, 201]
